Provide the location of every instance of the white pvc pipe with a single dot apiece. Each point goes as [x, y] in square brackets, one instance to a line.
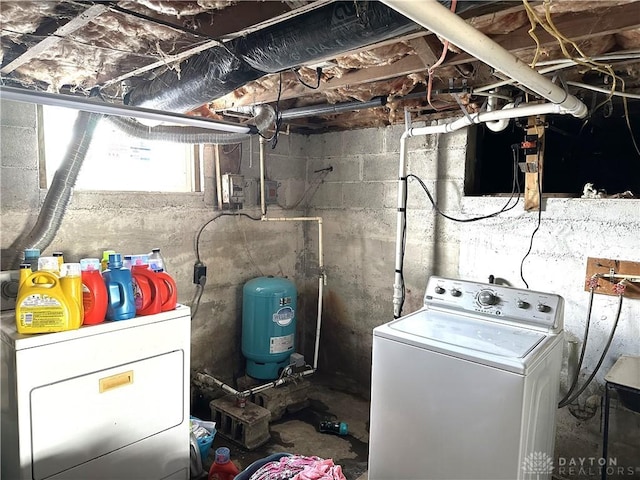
[400, 224]
[507, 112]
[443, 22]
[263, 207]
[499, 125]
[322, 278]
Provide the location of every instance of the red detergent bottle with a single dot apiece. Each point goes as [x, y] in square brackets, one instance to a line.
[95, 298]
[147, 286]
[223, 468]
[168, 291]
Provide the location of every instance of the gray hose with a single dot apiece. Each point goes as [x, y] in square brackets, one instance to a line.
[59, 194]
[190, 135]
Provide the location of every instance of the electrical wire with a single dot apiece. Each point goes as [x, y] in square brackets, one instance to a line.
[197, 296]
[318, 78]
[515, 189]
[431, 70]
[537, 226]
[212, 219]
[600, 360]
[314, 185]
[574, 382]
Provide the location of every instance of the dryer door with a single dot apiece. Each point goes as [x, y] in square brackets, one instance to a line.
[82, 418]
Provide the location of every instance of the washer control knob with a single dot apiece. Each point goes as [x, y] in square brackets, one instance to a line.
[440, 290]
[522, 304]
[487, 297]
[543, 308]
[455, 292]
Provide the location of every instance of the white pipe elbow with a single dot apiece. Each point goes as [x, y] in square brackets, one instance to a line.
[500, 125]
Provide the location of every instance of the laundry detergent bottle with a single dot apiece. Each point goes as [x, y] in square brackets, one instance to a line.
[223, 468]
[71, 283]
[43, 306]
[168, 291]
[94, 292]
[147, 286]
[118, 281]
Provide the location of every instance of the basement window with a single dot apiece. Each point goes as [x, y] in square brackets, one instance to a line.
[599, 151]
[117, 162]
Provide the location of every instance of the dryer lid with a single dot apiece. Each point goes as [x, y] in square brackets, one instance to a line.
[493, 338]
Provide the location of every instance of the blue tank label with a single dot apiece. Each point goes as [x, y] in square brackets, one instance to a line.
[283, 316]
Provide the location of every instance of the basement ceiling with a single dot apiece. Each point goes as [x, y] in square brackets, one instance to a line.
[158, 53]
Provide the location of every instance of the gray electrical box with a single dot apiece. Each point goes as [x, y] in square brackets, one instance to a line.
[270, 192]
[232, 190]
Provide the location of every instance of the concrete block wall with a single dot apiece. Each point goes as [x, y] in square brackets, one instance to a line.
[358, 203]
[234, 249]
[360, 244]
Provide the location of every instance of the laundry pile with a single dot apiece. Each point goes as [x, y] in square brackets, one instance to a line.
[298, 467]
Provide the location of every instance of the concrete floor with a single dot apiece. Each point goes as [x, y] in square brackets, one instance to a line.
[298, 433]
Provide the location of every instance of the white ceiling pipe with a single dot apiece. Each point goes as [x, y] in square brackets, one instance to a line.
[441, 21]
[526, 110]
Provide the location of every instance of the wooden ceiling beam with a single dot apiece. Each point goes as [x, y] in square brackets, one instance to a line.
[71, 26]
[577, 26]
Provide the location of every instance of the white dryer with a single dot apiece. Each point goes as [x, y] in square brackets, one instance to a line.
[467, 387]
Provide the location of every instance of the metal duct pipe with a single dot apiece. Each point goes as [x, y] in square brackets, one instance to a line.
[318, 35]
[329, 109]
[59, 194]
[163, 133]
[438, 19]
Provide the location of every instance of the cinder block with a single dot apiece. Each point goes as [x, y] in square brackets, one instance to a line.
[363, 195]
[19, 147]
[247, 426]
[17, 114]
[328, 195]
[362, 141]
[278, 400]
[380, 168]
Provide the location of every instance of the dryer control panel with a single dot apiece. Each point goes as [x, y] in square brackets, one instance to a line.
[543, 311]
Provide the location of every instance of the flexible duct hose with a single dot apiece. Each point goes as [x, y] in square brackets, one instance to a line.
[190, 135]
[59, 194]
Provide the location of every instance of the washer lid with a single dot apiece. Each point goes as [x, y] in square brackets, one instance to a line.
[469, 333]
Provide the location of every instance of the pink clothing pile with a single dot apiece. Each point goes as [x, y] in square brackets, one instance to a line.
[298, 467]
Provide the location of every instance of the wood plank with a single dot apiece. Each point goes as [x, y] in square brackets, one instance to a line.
[168, 60]
[604, 266]
[533, 179]
[425, 51]
[71, 26]
[404, 66]
[577, 26]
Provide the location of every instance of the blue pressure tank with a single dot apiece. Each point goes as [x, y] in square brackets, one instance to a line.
[268, 325]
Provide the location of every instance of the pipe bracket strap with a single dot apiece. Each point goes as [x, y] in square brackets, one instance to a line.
[402, 210]
[403, 179]
[398, 271]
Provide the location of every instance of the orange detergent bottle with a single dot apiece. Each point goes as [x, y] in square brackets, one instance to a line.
[168, 291]
[95, 297]
[223, 468]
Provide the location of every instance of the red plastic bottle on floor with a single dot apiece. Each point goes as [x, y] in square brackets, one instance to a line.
[223, 468]
[94, 292]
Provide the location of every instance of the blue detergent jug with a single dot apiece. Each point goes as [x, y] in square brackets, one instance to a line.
[117, 279]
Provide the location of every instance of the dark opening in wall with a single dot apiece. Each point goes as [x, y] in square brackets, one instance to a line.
[598, 150]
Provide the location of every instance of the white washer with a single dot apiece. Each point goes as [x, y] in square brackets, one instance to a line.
[107, 401]
[466, 388]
